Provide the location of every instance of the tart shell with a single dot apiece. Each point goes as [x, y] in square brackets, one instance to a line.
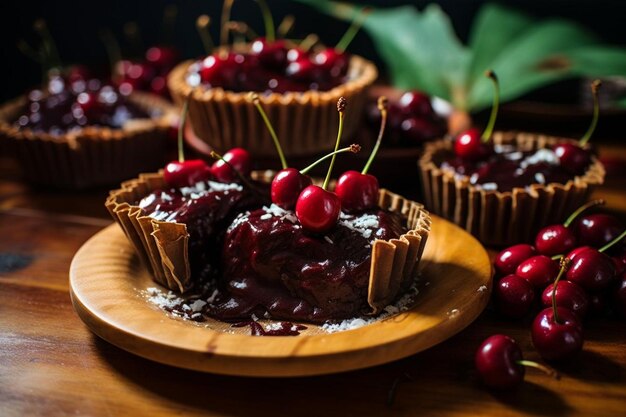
[306, 122]
[162, 246]
[503, 218]
[91, 156]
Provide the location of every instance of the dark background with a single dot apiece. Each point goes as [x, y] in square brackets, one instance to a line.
[75, 25]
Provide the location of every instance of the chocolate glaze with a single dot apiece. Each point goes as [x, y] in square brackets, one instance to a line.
[271, 265]
[507, 168]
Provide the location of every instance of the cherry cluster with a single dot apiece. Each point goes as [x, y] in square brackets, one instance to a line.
[412, 120]
[277, 66]
[148, 73]
[73, 99]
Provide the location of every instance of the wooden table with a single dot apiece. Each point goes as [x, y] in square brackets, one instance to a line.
[51, 364]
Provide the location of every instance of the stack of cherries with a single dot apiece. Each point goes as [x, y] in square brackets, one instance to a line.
[270, 64]
[412, 120]
[575, 269]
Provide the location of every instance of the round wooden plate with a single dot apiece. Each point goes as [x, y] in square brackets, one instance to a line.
[106, 280]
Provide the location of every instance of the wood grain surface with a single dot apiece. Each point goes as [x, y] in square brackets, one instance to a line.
[52, 365]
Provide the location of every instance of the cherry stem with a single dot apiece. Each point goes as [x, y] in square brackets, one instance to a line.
[354, 148]
[382, 107]
[226, 8]
[169, 22]
[113, 51]
[565, 263]
[29, 51]
[546, 369]
[268, 21]
[596, 113]
[308, 42]
[242, 28]
[555, 257]
[582, 208]
[494, 109]
[243, 179]
[48, 42]
[254, 98]
[285, 26]
[354, 28]
[613, 242]
[131, 30]
[341, 108]
[202, 24]
[181, 128]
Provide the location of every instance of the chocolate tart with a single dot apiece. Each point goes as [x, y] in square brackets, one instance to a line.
[306, 122]
[90, 156]
[163, 245]
[509, 216]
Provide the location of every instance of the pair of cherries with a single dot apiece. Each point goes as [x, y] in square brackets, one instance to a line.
[185, 173]
[316, 208]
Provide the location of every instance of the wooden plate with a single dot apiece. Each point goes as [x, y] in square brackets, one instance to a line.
[106, 278]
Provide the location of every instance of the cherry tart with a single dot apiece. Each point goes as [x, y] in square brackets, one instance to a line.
[301, 109]
[509, 193]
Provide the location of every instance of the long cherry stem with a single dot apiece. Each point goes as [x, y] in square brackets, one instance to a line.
[181, 128]
[613, 242]
[532, 364]
[354, 28]
[202, 24]
[382, 107]
[242, 28]
[341, 108]
[354, 148]
[285, 26]
[268, 21]
[565, 262]
[254, 98]
[582, 208]
[226, 9]
[596, 113]
[494, 109]
[54, 59]
[308, 42]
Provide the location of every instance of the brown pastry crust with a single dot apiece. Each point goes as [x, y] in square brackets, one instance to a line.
[305, 122]
[162, 246]
[91, 156]
[503, 218]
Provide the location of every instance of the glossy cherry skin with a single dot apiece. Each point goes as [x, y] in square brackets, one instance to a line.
[513, 296]
[287, 186]
[507, 261]
[598, 304]
[418, 129]
[162, 57]
[332, 61]
[496, 361]
[415, 103]
[317, 209]
[598, 229]
[469, 146]
[568, 295]
[357, 191]
[271, 54]
[538, 270]
[557, 341]
[572, 157]
[240, 160]
[303, 70]
[619, 295]
[590, 269]
[555, 239]
[186, 173]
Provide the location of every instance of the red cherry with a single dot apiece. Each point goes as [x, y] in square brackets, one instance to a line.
[303, 70]
[317, 209]
[619, 295]
[357, 191]
[568, 295]
[415, 103]
[186, 173]
[508, 260]
[238, 158]
[332, 61]
[619, 261]
[296, 54]
[470, 146]
[270, 54]
[514, 296]
[162, 57]
[419, 129]
[497, 362]
[538, 270]
[557, 340]
[287, 186]
[590, 269]
[598, 229]
[88, 102]
[572, 157]
[554, 240]
[598, 304]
